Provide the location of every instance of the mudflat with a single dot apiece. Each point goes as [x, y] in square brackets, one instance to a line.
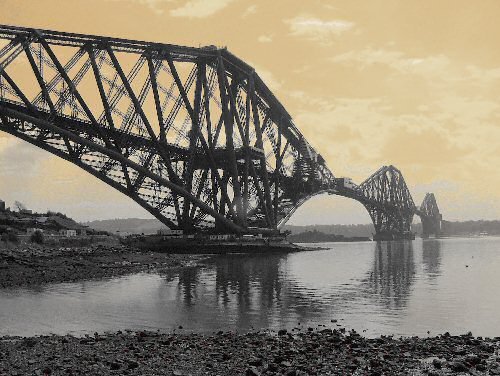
[31, 265]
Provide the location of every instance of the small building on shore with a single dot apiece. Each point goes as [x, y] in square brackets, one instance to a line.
[67, 227]
[169, 232]
[221, 237]
[67, 233]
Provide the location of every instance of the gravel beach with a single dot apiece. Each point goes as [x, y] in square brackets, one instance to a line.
[299, 352]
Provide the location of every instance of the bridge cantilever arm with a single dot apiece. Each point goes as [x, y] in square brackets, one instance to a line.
[113, 154]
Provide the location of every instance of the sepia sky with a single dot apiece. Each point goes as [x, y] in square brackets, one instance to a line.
[415, 84]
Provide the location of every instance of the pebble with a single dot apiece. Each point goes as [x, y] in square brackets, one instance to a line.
[317, 352]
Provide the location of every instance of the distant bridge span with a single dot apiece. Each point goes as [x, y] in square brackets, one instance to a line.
[193, 135]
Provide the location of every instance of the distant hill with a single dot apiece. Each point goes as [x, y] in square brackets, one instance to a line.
[471, 227]
[345, 230]
[131, 225]
[150, 226]
[320, 237]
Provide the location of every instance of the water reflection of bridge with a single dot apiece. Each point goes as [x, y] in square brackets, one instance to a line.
[392, 275]
[431, 257]
[260, 290]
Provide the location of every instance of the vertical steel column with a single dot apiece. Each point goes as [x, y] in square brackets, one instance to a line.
[229, 127]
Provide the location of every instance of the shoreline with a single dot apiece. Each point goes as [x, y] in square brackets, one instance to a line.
[32, 265]
[29, 265]
[298, 352]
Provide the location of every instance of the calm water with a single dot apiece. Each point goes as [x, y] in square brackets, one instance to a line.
[390, 288]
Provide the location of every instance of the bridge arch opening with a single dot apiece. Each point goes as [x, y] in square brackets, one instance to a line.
[327, 209]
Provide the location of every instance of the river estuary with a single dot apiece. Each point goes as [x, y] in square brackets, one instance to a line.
[402, 288]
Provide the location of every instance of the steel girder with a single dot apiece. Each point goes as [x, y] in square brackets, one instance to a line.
[191, 134]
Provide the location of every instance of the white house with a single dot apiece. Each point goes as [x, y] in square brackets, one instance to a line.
[67, 233]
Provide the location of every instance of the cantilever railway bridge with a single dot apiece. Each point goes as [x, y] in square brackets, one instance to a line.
[193, 135]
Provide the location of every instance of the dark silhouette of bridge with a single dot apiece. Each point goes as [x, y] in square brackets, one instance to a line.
[193, 135]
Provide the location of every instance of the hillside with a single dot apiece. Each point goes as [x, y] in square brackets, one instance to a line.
[130, 225]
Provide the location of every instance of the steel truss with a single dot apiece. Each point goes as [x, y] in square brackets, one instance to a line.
[389, 203]
[430, 216]
[193, 135]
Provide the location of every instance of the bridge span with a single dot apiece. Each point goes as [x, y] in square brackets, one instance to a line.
[193, 135]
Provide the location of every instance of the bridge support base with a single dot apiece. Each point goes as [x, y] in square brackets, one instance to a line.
[431, 226]
[384, 236]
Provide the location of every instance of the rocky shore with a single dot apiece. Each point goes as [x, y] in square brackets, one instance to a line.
[32, 265]
[299, 352]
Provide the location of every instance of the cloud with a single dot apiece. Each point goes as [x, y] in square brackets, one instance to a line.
[154, 5]
[440, 68]
[20, 159]
[397, 60]
[252, 9]
[424, 148]
[316, 29]
[200, 8]
[265, 38]
[355, 126]
[268, 77]
[459, 98]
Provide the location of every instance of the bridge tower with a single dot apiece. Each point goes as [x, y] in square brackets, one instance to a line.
[389, 203]
[430, 216]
